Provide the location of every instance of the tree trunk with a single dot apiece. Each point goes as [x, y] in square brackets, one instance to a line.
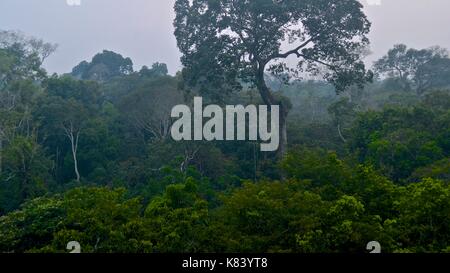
[283, 131]
[340, 133]
[74, 144]
[77, 173]
[269, 100]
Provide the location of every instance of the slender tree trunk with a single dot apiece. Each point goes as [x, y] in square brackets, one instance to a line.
[77, 173]
[74, 153]
[74, 145]
[340, 133]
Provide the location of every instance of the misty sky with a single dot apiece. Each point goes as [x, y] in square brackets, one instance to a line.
[142, 29]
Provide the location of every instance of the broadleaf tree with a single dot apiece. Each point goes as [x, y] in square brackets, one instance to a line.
[225, 43]
[415, 69]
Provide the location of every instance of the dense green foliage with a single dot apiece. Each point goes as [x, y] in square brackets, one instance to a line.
[88, 157]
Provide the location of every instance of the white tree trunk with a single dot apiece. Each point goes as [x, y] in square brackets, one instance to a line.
[340, 134]
[74, 141]
[73, 137]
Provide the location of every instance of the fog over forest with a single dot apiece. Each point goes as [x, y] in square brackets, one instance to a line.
[143, 30]
[153, 135]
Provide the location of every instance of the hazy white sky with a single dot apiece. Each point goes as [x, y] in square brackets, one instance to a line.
[142, 29]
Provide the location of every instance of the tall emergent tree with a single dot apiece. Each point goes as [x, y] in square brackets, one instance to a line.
[227, 42]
